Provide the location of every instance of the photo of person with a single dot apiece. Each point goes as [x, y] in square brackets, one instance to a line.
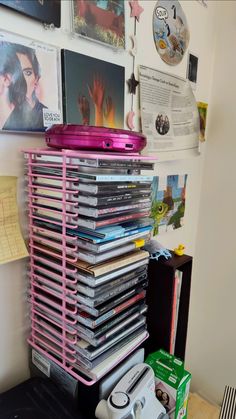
[162, 124]
[163, 394]
[100, 20]
[13, 107]
[43, 10]
[27, 85]
[163, 398]
[93, 91]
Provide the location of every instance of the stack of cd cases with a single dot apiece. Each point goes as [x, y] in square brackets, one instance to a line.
[88, 221]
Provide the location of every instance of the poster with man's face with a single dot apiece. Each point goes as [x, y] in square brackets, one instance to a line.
[46, 11]
[29, 83]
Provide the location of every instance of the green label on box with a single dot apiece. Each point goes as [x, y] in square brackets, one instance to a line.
[172, 383]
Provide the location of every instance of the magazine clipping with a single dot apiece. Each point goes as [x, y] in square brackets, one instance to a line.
[169, 113]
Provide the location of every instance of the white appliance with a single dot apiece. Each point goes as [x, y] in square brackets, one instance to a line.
[133, 397]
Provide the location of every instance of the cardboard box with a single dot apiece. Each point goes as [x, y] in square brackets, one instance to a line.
[172, 383]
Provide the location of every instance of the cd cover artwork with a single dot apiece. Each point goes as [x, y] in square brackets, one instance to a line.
[170, 31]
[46, 11]
[93, 91]
[29, 83]
[100, 20]
[168, 203]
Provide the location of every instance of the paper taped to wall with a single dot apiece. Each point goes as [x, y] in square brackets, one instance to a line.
[169, 113]
[12, 245]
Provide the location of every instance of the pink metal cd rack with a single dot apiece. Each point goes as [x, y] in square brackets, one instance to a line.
[53, 306]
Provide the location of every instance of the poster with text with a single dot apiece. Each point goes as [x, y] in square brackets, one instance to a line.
[168, 202]
[46, 11]
[170, 31]
[93, 91]
[169, 113]
[29, 83]
[100, 20]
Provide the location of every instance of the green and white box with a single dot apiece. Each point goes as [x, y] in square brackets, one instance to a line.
[172, 383]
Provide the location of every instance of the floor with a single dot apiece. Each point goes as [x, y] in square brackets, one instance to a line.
[199, 408]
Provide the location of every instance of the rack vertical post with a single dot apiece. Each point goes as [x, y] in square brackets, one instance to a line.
[160, 296]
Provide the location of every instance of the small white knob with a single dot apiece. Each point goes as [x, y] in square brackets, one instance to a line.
[119, 400]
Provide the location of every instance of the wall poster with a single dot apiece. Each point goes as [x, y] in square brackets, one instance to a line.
[170, 31]
[168, 202]
[100, 20]
[169, 113]
[46, 11]
[29, 83]
[90, 95]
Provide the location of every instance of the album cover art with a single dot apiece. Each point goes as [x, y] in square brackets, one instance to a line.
[170, 31]
[46, 11]
[168, 202]
[100, 20]
[93, 91]
[29, 83]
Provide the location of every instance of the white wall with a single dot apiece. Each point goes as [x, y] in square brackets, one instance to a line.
[13, 349]
[212, 339]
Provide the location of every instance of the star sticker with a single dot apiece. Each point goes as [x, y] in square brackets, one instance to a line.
[136, 9]
[132, 83]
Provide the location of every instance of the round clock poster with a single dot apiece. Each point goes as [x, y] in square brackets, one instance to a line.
[170, 31]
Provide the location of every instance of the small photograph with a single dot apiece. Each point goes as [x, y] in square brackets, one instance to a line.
[192, 69]
[46, 11]
[164, 396]
[29, 83]
[93, 91]
[170, 31]
[162, 124]
[100, 20]
[168, 204]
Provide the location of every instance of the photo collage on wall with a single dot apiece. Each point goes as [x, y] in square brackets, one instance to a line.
[100, 20]
[29, 83]
[168, 202]
[40, 86]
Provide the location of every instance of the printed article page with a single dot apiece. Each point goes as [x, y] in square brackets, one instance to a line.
[169, 113]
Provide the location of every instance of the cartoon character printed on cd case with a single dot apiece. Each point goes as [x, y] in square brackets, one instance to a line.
[168, 203]
[170, 31]
[29, 83]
